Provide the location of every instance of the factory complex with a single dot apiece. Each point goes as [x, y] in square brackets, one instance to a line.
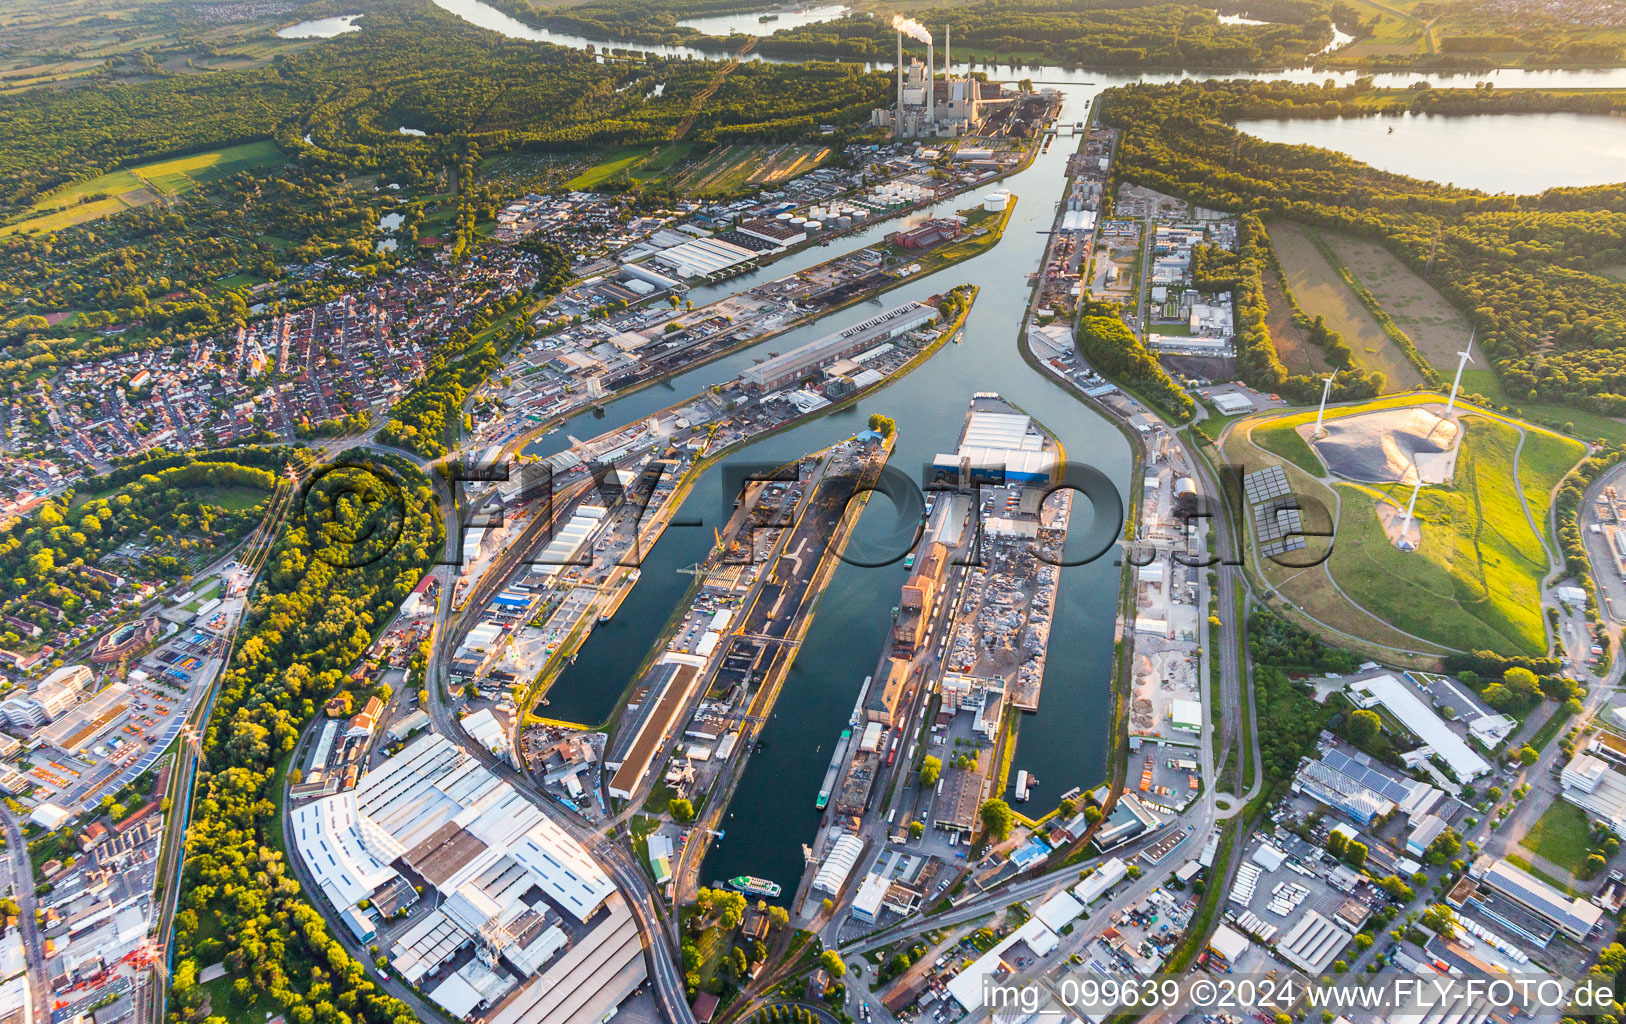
[505, 892]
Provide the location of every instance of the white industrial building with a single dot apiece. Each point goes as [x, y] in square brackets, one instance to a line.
[517, 891]
[792, 366]
[703, 257]
[562, 549]
[1185, 715]
[866, 904]
[1571, 915]
[327, 834]
[838, 864]
[54, 697]
[1592, 784]
[1108, 874]
[484, 728]
[1408, 708]
[998, 444]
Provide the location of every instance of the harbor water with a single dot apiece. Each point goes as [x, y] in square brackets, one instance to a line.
[1064, 743]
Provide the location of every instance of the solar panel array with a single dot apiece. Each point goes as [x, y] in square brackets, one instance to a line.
[1276, 518]
[1366, 775]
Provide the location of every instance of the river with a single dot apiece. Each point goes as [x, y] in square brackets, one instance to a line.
[483, 15]
[1064, 744]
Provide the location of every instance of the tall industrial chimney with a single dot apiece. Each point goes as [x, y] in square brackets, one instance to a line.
[900, 83]
[948, 64]
[931, 86]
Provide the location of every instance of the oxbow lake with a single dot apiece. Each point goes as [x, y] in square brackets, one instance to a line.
[1519, 153]
[321, 28]
[750, 22]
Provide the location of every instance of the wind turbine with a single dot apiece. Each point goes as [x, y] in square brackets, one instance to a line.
[1326, 389]
[1404, 542]
[1464, 361]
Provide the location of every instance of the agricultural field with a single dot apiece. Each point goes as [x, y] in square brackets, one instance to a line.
[110, 193]
[635, 163]
[1316, 284]
[1292, 344]
[735, 168]
[1397, 31]
[691, 169]
[1434, 325]
[1475, 582]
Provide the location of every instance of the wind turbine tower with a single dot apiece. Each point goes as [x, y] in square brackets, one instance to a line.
[1326, 389]
[1404, 543]
[1456, 383]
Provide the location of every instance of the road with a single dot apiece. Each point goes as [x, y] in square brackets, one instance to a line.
[1232, 650]
[22, 887]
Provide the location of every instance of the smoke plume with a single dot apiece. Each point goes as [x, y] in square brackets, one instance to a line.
[911, 28]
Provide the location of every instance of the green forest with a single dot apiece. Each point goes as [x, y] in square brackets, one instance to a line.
[412, 66]
[1529, 271]
[310, 618]
[146, 523]
[1115, 351]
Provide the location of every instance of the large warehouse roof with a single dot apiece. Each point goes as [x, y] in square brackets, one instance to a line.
[328, 839]
[1009, 430]
[838, 864]
[1313, 943]
[1575, 916]
[850, 340]
[453, 821]
[703, 257]
[1406, 706]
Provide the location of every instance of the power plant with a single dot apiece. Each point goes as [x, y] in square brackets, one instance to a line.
[928, 106]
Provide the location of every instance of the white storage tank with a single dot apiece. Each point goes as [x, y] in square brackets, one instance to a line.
[994, 202]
